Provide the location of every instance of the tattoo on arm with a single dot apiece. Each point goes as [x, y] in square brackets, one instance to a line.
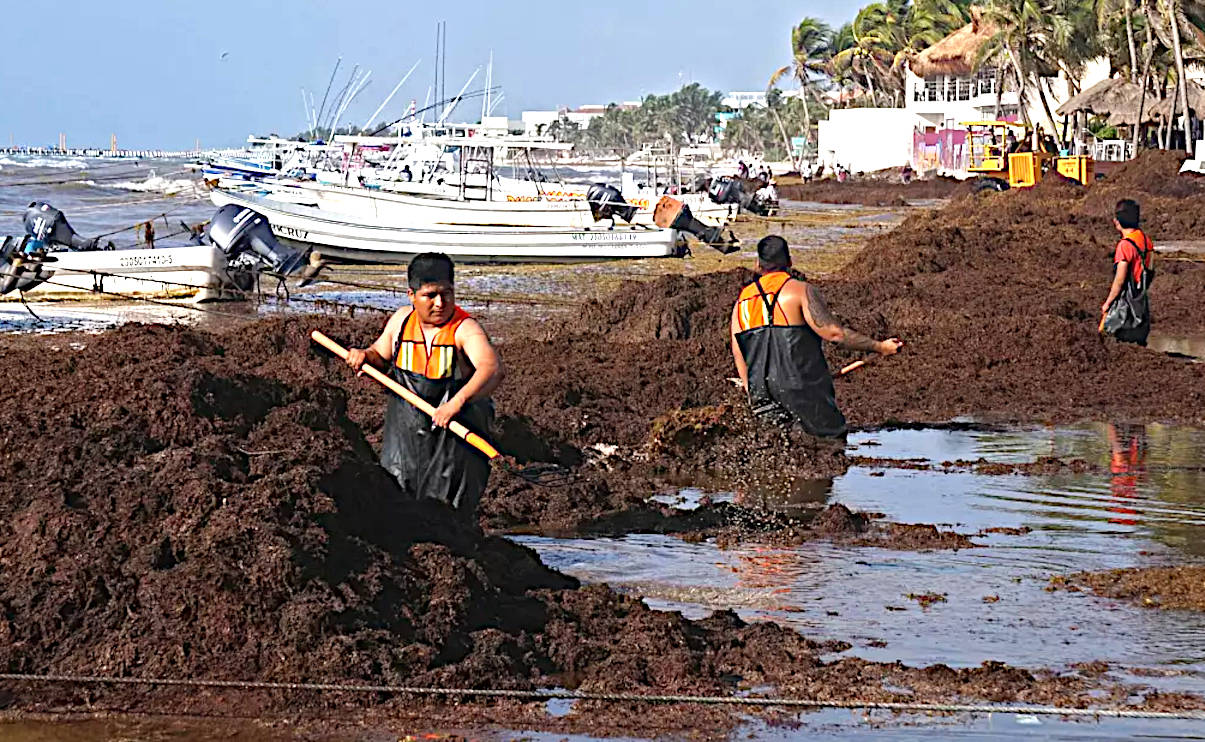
[857, 341]
[824, 318]
[819, 309]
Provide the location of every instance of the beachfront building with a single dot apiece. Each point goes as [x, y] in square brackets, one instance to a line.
[944, 88]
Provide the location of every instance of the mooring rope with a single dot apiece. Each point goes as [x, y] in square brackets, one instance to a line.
[550, 694]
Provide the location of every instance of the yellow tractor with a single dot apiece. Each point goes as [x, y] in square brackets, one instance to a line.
[999, 169]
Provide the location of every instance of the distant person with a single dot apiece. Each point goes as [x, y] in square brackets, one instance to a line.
[742, 170]
[148, 234]
[906, 173]
[1010, 142]
[1126, 311]
[776, 329]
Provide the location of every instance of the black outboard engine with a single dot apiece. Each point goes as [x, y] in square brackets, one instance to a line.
[240, 231]
[23, 260]
[725, 190]
[606, 202]
[48, 226]
[23, 264]
[673, 214]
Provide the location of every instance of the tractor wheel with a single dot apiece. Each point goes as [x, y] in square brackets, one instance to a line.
[990, 185]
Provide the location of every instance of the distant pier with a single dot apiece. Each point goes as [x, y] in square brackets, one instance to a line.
[131, 154]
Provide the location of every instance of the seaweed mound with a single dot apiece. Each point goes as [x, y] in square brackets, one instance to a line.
[170, 510]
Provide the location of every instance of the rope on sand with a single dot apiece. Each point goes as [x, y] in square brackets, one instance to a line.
[542, 695]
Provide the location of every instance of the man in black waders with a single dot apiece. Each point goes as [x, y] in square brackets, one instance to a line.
[777, 325]
[436, 350]
[1126, 312]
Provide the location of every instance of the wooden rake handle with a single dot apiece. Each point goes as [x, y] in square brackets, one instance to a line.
[469, 436]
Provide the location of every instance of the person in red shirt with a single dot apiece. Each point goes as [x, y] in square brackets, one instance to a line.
[1133, 258]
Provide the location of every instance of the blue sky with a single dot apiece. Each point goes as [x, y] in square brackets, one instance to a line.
[152, 71]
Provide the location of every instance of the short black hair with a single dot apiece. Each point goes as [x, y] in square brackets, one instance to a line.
[1126, 213]
[429, 267]
[772, 252]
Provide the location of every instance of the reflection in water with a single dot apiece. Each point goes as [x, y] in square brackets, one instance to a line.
[793, 496]
[1140, 503]
[1192, 346]
[773, 567]
[1127, 464]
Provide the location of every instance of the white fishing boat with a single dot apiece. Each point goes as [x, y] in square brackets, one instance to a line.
[419, 181]
[369, 238]
[195, 272]
[562, 210]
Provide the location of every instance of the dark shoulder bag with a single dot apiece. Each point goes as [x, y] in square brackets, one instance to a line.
[1131, 308]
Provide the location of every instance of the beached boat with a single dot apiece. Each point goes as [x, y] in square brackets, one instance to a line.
[365, 238]
[196, 272]
[419, 180]
[566, 212]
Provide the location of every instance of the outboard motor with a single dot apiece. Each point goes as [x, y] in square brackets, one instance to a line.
[673, 214]
[238, 231]
[23, 264]
[48, 226]
[725, 190]
[606, 202]
[23, 261]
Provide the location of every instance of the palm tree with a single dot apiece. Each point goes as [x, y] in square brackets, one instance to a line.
[811, 48]
[1106, 14]
[858, 59]
[1174, 16]
[842, 74]
[1029, 33]
[898, 30]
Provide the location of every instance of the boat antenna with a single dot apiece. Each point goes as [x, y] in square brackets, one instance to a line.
[381, 107]
[322, 108]
[489, 77]
[355, 75]
[435, 85]
[352, 96]
[443, 73]
[305, 110]
[452, 106]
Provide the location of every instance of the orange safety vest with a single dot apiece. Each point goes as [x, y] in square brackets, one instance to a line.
[753, 306]
[440, 361]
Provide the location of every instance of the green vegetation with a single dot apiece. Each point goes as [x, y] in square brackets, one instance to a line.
[681, 118]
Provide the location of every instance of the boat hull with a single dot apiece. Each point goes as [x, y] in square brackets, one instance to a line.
[566, 210]
[195, 272]
[359, 238]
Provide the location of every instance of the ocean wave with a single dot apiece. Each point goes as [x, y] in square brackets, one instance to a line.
[158, 184]
[72, 163]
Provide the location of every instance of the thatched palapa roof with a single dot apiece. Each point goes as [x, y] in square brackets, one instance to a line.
[957, 53]
[1117, 100]
[1196, 102]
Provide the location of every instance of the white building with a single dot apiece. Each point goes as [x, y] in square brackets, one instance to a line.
[740, 100]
